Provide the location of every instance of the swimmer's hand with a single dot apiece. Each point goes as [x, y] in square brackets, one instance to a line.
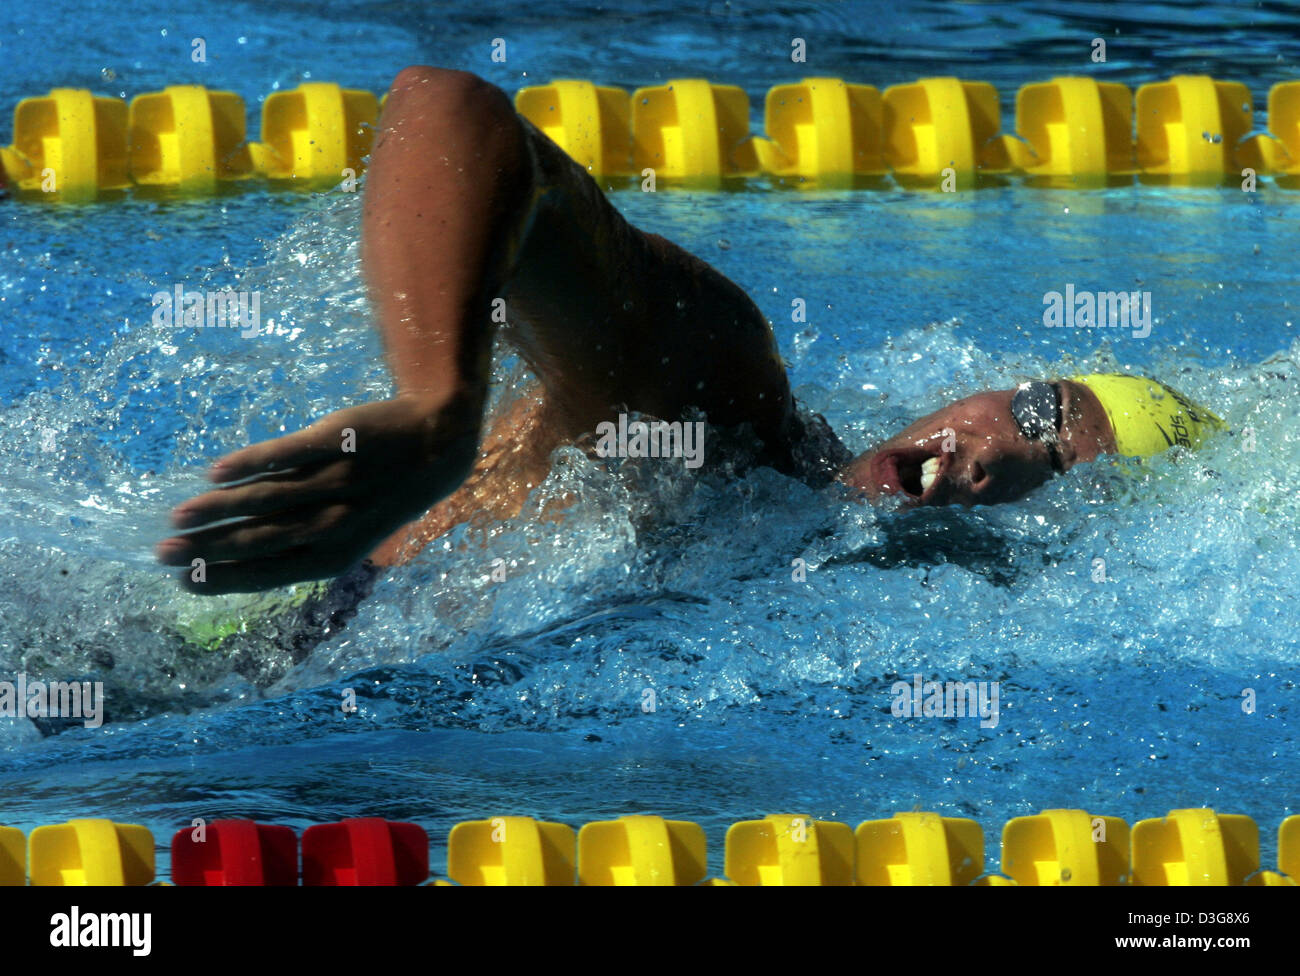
[324, 497]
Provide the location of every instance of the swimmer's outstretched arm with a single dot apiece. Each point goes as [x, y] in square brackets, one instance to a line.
[464, 204]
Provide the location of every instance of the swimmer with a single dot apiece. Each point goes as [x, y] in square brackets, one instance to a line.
[467, 203]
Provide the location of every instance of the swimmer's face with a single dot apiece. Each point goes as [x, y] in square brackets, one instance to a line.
[973, 452]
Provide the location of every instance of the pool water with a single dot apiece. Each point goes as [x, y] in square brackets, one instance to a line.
[1121, 693]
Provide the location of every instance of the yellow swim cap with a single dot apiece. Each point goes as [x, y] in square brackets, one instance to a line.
[1149, 417]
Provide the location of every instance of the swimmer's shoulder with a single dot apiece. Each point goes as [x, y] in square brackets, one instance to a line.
[817, 455]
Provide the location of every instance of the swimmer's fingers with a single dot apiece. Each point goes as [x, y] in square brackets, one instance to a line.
[296, 489]
[262, 536]
[400, 433]
[319, 442]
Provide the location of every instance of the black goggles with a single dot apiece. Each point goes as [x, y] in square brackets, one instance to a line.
[1036, 409]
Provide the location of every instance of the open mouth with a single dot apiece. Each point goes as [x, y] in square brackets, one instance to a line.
[911, 471]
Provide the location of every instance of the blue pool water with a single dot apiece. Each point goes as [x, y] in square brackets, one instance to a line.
[479, 697]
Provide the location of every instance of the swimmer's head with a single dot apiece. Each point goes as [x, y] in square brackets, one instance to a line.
[1000, 445]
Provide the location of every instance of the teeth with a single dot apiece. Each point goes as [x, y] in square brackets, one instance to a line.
[929, 471]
